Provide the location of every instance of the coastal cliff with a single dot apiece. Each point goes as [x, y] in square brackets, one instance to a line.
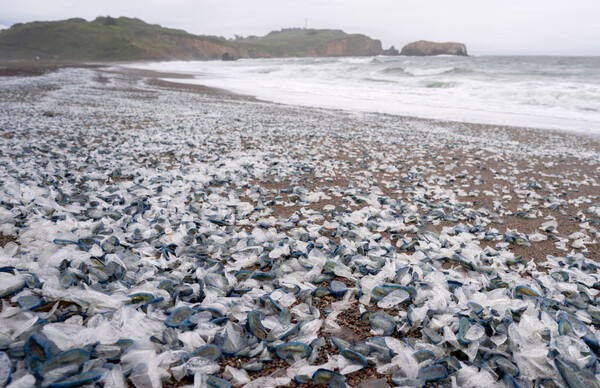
[355, 46]
[130, 39]
[300, 42]
[425, 48]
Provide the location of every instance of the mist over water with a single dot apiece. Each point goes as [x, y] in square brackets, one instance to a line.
[541, 92]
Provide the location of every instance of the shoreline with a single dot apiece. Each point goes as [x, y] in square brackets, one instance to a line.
[408, 93]
[236, 202]
[159, 76]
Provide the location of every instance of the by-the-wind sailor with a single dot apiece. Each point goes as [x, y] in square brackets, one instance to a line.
[263, 276]
[10, 284]
[560, 276]
[433, 373]
[477, 308]
[302, 379]
[382, 321]
[70, 360]
[575, 377]
[255, 325]
[525, 291]
[5, 369]
[5, 341]
[40, 347]
[323, 376]
[393, 298]
[506, 366]
[216, 382]
[66, 280]
[474, 333]
[106, 351]
[510, 381]
[338, 289]
[79, 380]
[355, 357]
[432, 335]
[565, 327]
[200, 365]
[340, 343]
[336, 382]
[143, 299]
[423, 355]
[545, 383]
[29, 302]
[451, 364]
[253, 366]
[463, 327]
[378, 348]
[179, 317]
[292, 351]
[210, 352]
[216, 313]
[320, 292]
[401, 381]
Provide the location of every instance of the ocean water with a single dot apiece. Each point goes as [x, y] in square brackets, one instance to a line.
[541, 92]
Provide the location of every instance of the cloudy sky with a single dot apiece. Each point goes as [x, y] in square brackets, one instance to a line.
[486, 26]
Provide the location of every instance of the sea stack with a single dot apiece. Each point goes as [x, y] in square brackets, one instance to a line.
[425, 48]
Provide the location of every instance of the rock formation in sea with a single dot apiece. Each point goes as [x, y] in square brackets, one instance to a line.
[424, 48]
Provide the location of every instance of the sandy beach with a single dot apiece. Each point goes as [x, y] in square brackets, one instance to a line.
[285, 190]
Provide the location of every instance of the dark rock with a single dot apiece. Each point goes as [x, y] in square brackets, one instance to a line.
[228, 57]
[424, 48]
[391, 51]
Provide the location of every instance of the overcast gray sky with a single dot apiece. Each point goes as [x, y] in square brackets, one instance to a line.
[486, 26]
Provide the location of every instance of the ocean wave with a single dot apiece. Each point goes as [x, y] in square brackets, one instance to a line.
[438, 85]
[394, 70]
[265, 70]
[421, 72]
[380, 80]
[424, 72]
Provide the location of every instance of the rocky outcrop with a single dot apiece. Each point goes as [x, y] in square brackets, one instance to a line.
[391, 51]
[229, 58]
[424, 48]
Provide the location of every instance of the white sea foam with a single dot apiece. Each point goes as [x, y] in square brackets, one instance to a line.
[542, 92]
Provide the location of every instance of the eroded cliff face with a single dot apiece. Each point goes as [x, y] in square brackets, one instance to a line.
[424, 48]
[352, 46]
[202, 49]
[184, 48]
[189, 49]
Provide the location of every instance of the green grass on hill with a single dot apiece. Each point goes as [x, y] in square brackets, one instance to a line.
[105, 38]
[127, 39]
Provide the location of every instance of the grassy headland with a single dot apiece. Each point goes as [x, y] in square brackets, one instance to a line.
[130, 39]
